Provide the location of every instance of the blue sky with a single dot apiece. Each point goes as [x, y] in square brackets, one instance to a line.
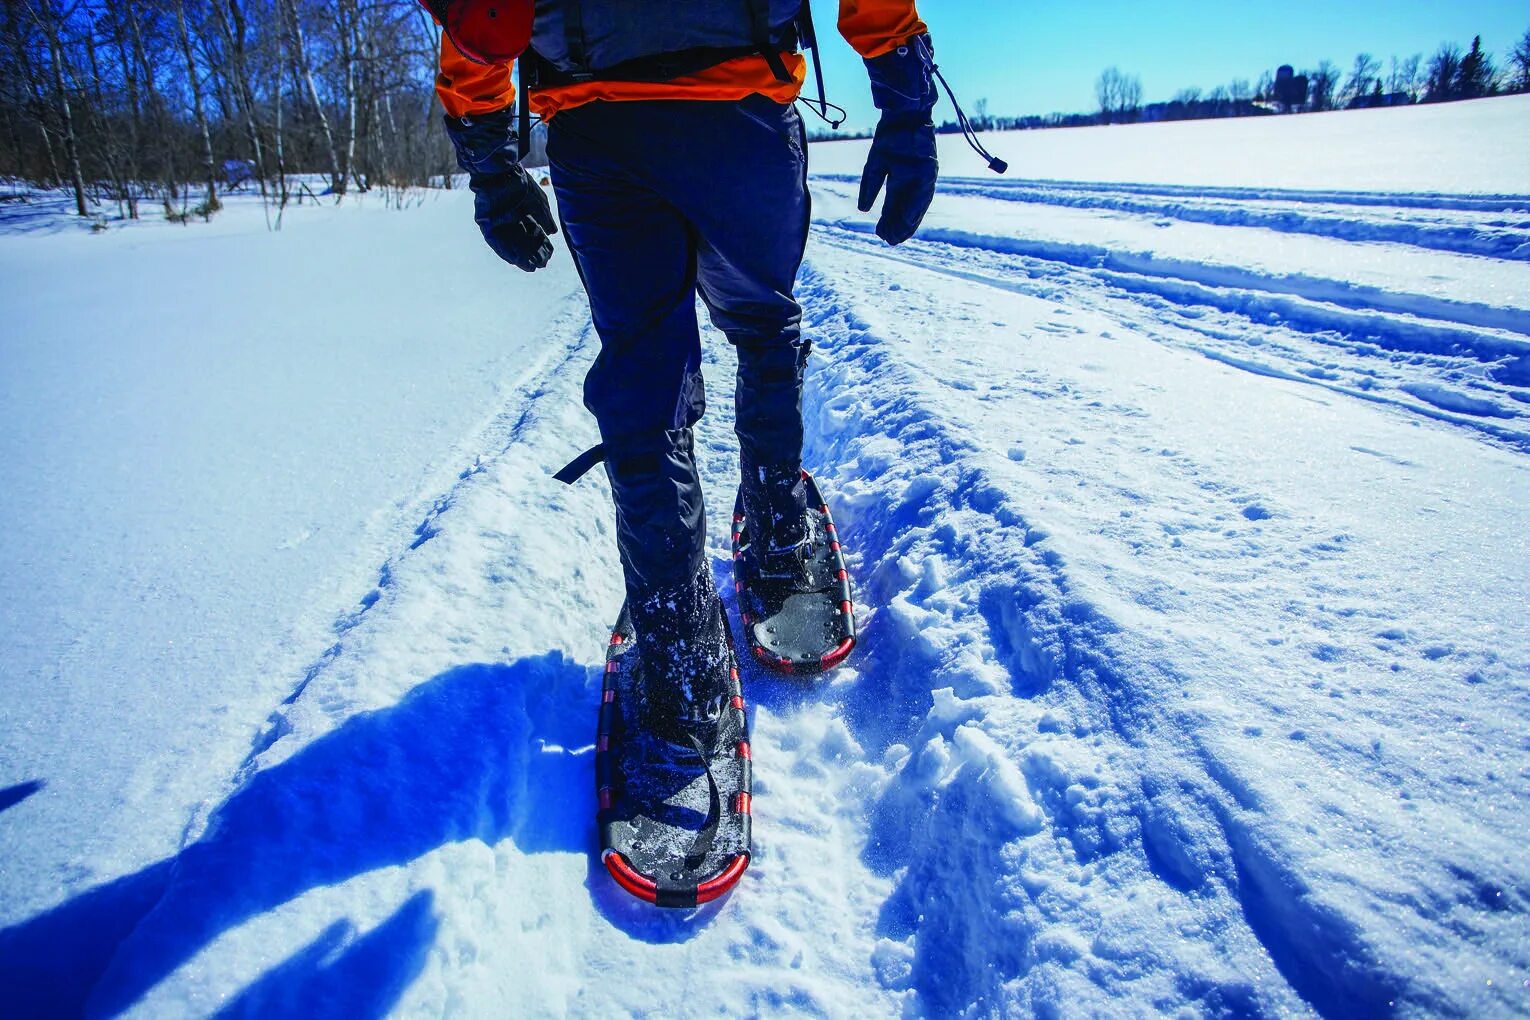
[1044, 57]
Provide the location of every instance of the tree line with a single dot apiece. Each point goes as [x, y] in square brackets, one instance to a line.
[1452, 73]
[171, 102]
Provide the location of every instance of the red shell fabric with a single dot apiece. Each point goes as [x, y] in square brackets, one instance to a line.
[490, 31]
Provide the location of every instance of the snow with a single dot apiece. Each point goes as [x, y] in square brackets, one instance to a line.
[1184, 487]
[207, 435]
[1479, 149]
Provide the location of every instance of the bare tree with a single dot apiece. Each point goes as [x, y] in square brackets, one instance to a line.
[135, 108]
[1519, 64]
[209, 165]
[293, 26]
[1131, 95]
[346, 16]
[1119, 95]
[1239, 90]
[1362, 77]
[281, 156]
[115, 155]
[35, 92]
[1406, 76]
[1444, 68]
[50, 20]
[1321, 84]
[232, 24]
[1107, 90]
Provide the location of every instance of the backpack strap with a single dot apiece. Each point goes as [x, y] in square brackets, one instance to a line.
[523, 109]
[573, 38]
[759, 31]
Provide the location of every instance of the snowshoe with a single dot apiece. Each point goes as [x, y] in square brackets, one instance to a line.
[674, 801]
[798, 614]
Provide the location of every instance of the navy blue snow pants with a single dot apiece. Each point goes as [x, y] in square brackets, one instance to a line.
[661, 201]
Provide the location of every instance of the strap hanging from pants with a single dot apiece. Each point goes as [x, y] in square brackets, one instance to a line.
[581, 465]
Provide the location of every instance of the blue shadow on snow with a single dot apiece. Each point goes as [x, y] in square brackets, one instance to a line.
[13, 795]
[342, 976]
[485, 752]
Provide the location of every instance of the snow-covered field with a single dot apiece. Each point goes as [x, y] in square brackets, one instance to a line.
[1184, 474]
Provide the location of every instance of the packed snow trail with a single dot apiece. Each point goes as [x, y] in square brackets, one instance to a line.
[1209, 644]
[210, 438]
[443, 750]
[1047, 781]
[1192, 676]
[1467, 363]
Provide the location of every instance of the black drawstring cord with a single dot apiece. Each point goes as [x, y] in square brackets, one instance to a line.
[995, 164]
[820, 108]
[821, 105]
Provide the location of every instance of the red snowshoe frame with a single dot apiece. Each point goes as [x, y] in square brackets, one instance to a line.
[646, 887]
[810, 664]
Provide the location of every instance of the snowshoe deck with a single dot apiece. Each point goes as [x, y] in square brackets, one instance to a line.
[674, 830]
[791, 628]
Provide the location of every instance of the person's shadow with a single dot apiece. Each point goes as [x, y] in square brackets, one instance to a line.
[484, 752]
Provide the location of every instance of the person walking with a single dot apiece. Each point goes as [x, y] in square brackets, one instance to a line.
[680, 168]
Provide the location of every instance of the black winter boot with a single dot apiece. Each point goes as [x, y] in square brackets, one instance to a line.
[684, 643]
[775, 509]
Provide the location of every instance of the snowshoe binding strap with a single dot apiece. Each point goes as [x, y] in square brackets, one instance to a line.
[679, 735]
[708, 834]
[646, 853]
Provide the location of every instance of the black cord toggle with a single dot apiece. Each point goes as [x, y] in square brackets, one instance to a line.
[995, 164]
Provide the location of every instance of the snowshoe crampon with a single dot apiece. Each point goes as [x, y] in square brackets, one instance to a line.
[674, 819]
[803, 624]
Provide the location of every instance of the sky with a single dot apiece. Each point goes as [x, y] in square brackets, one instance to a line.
[1044, 57]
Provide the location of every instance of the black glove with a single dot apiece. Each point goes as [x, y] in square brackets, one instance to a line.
[508, 206]
[903, 150]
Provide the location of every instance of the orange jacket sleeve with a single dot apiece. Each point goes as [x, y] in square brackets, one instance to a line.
[467, 88]
[875, 27]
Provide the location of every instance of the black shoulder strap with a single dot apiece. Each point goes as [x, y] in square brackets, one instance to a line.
[573, 32]
[759, 33]
[523, 106]
[808, 33]
[805, 28]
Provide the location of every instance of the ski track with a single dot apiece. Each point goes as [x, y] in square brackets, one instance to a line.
[1496, 226]
[1114, 785]
[1013, 758]
[1024, 809]
[1442, 366]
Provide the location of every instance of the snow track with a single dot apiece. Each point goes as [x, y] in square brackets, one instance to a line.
[1455, 362]
[1188, 534]
[1497, 226]
[420, 810]
[1086, 779]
